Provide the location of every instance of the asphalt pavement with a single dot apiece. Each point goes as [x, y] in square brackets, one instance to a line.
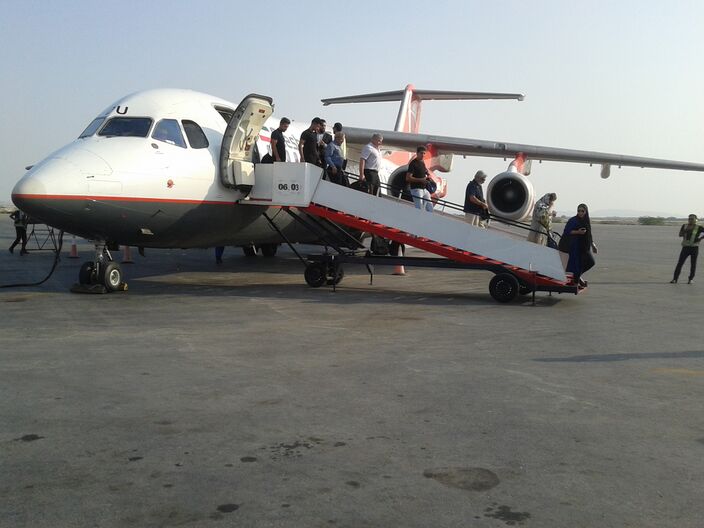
[236, 395]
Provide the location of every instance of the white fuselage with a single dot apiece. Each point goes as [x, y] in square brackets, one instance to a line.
[146, 173]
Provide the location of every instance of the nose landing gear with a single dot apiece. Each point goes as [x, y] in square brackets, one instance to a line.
[102, 275]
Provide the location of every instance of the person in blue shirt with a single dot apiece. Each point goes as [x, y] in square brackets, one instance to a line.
[334, 160]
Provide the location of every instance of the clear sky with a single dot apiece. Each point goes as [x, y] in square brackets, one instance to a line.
[623, 77]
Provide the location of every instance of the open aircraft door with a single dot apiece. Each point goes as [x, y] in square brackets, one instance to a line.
[236, 167]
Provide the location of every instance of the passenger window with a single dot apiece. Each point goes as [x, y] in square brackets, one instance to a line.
[93, 127]
[127, 127]
[168, 131]
[196, 136]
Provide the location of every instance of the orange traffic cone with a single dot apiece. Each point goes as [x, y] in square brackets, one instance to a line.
[127, 255]
[400, 270]
[74, 249]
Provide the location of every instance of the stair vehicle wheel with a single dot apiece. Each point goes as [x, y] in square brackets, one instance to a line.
[335, 274]
[112, 276]
[315, 275]
[269, 250]
[249, 251]
[85, 274]
[503, 287]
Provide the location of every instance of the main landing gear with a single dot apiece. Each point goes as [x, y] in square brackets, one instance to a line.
[102, 275]
[267, 250]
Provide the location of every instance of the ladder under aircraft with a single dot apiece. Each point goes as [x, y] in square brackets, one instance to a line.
[300, 185]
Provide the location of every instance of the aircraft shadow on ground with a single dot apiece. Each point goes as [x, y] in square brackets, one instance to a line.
[195, 276]
[325, 294]
[597, 358]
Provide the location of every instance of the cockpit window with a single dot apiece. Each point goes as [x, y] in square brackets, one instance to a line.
[168, 131]
[195, 135]
[91, 129]
[127, 127]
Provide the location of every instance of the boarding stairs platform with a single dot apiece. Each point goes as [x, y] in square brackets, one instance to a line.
[525, 265]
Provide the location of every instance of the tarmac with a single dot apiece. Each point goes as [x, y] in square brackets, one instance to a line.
[236, 395]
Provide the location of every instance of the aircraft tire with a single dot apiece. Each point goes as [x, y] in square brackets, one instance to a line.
[112, 276]
[503, 287]
[249, 251]
[85, 274]
[315, 275]
[269, 250]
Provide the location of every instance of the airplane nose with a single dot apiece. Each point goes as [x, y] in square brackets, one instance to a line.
[52, 190]
[35, 191]
[28, 189]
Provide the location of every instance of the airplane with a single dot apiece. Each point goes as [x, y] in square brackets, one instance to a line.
[171, 168]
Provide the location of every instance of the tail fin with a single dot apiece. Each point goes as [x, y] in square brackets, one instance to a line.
[409, 111]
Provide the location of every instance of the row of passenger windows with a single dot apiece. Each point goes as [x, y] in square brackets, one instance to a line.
[166, 130]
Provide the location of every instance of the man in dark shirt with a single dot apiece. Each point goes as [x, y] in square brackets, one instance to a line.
[417, 178]
[691, 234]
[308, 144]
[20, 220]
[474, 204]
[278, 141]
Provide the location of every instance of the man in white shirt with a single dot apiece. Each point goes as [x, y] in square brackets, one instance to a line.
[369, 164]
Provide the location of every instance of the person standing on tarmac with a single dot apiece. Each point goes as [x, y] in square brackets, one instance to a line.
[20, 220]
[691, 234]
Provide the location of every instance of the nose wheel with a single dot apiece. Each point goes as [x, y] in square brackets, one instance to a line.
[102, 275]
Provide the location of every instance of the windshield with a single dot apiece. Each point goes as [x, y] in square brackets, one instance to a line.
[127, 127]
[94, 125]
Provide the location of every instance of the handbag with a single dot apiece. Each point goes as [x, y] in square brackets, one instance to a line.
[551, 241]
[360, 185]
[431, 186]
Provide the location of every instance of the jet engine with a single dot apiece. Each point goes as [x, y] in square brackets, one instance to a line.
[511, 195]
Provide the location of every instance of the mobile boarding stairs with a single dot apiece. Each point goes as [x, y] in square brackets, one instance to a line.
[520, 267]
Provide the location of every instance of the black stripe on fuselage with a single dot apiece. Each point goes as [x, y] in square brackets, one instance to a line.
[172, 224]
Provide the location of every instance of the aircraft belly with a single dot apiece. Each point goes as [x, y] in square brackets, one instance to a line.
[168, 224]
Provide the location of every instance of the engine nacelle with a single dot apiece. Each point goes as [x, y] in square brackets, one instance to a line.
[511, 195]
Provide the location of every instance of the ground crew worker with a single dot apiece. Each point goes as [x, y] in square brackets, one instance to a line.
[21, 231]
[691, 234]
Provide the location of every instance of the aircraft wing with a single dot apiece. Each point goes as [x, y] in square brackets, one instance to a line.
[478, 147]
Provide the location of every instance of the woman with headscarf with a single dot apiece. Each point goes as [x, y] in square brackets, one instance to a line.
[541, 221]
[576, 244]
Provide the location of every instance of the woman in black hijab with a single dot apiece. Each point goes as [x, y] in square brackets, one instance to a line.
[577, 244]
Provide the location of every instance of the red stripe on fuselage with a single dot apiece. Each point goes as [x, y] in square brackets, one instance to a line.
[74, 197]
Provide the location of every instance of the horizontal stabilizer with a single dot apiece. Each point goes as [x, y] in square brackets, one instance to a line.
[423, 95]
